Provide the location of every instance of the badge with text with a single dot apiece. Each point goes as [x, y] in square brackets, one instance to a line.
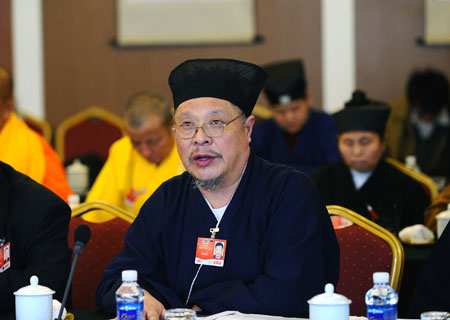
[210, 252]
[5, 258]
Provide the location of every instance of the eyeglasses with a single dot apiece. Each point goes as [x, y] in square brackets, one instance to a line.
[212, 129]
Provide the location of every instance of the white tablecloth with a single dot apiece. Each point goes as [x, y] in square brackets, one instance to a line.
[234, 315]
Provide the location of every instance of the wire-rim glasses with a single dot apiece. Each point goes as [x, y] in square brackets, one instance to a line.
[212, 129]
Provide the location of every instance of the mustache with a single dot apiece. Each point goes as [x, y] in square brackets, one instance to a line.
[211, 152]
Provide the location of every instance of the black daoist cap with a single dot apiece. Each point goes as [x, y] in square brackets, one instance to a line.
[362, 114]
[236, 81]
[285, 82]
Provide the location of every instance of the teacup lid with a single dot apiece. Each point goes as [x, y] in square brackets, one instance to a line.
[77, 167]
[34, 289]
[329, 297]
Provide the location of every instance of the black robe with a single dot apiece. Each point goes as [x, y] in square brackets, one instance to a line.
[281, 248]
[35, 221]
[432, 291]
[396, 199]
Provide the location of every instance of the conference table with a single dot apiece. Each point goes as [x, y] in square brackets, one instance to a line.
[226, 315]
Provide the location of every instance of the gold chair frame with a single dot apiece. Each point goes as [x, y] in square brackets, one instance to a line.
[89, 113]
[416, 175]
[105, 206]
[262, 112]
[398, 255]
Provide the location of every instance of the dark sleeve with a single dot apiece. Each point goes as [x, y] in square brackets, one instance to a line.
[142, 253]
[432, 292]
[300, 254]
[329, 143]
[46, 253]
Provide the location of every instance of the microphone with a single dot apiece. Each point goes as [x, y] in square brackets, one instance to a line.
[81, 238]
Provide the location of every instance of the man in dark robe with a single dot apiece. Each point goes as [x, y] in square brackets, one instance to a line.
[362, 180]
[432, 291]
[279, 246]
[33, 233]
[297, 135]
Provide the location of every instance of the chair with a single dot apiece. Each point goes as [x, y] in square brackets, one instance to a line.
[427, 183]
[92, 131]
[261, 113]
[40, 126]
[107, 240]
[365, 248]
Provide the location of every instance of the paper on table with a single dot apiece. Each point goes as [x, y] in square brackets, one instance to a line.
[235, 315]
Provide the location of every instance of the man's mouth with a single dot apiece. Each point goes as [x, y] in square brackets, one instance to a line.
[204, 159]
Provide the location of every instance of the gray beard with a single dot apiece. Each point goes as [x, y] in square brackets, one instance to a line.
[209, 184]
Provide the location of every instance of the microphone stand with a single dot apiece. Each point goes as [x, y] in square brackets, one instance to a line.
[77, 250]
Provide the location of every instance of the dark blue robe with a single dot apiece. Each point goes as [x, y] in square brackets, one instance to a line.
[316, 143]
[281, 248]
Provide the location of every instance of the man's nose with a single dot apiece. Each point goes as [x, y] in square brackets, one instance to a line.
[200, 137]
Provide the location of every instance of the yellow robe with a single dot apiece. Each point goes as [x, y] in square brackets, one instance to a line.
[127, 179]
[28, 152]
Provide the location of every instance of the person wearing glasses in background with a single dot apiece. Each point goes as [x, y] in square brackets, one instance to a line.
[280, 245]
[139, 162]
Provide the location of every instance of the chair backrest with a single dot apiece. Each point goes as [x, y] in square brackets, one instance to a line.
[107, 240]
[92, 131]
[365, 248]
[261, 113]
[427, 183]
[40, 126]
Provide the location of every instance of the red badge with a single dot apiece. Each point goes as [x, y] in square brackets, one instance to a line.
[210, 252]
[5, 257]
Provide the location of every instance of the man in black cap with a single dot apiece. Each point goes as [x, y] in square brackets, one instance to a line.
[363, 181]
[280, 246]
[297, 135]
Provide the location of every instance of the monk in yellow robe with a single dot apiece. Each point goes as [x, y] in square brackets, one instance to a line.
[24, 149]
[139, 162]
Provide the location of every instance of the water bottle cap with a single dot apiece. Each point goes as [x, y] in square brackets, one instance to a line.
[381, 277]
[129, 275]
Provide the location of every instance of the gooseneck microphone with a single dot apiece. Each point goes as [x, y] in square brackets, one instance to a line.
[81, 238]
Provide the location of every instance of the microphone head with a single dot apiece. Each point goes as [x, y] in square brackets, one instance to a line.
[82, 234]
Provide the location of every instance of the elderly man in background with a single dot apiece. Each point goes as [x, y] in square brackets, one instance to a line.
[139, 162]
[279, 245]
[363, 181]
[25, 150]
[298, 135]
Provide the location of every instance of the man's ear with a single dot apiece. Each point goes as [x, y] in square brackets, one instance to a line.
[249, 123]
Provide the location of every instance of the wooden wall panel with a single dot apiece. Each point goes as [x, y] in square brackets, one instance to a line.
[5, 34]
[82, 69]
[386, 49]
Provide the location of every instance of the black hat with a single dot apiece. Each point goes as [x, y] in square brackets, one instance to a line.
[236, 81]
[362, 114]
[285, 82]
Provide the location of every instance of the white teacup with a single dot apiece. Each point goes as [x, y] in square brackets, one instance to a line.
[329, 305]
[34, 301]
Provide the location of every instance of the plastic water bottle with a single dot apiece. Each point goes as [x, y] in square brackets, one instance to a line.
[381, 299]
[130, 297]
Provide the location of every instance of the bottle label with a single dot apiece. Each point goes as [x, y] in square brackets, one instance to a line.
[382, 312]
[130, 311]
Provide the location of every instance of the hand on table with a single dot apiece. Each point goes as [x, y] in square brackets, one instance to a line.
[153, 309]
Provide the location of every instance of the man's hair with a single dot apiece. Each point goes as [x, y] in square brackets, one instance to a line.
[428, 90]
[6, 84]
[141, 104]
[219, 244]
